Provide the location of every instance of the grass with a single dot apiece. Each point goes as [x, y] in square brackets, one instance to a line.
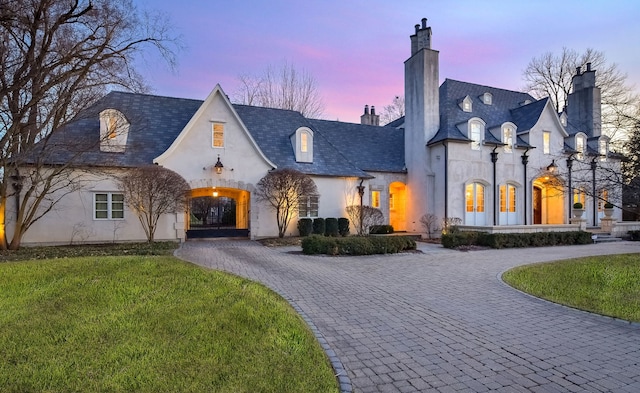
[149, 324]
[607, 285]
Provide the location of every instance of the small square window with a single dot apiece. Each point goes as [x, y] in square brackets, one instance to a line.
[108, 206]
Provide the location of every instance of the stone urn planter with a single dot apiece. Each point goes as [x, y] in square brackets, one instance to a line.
[578, 210]
[608, 211]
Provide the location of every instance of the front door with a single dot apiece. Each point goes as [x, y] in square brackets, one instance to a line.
[537, 205]
[474, 209]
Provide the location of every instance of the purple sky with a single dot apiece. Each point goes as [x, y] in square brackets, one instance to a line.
[356, 49]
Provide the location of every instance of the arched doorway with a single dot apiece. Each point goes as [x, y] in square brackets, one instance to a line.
[548, 201]
[218, 212]
[397, 211]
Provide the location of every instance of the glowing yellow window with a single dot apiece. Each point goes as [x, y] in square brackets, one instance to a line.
[304, 142]
[375, 199]
[113, 124]
[218, 135]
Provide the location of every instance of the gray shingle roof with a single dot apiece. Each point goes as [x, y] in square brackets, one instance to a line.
[340, 149]
[494, 114]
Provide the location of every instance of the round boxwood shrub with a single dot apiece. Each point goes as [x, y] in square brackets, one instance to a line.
[305, 226]
[331, 227]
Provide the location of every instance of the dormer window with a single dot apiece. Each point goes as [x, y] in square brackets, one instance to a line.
[476, 130]
[302, 142]
[507, 137]
[563, 119]
[466, 104]
[581, 143]
[603, 148]
[114, 131]
[487, 98]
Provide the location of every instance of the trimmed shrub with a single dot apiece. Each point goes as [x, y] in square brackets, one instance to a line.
[305, 226]
[318, 226]
[515, 240]
[343, 226]
[380, 229]
[635, 235]
[331, 227]
[356, 245]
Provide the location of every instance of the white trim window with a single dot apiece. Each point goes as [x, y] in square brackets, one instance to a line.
[476, 129]
[546, 142]
[308, 206]
[217, 135]
[581, 145]
[108, 206]
[603, 149]
[507, 138]
[375, 199]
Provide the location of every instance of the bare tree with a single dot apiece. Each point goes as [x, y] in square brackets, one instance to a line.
[282, 87]
[429, 223]
[370, 216]
[551, 75]
[393, 111]
[282, 189]
[56, 58]
[152, 191]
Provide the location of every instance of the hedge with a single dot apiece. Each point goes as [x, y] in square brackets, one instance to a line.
[356, 245]
[514, 240]
[634, 235]
[380, 229]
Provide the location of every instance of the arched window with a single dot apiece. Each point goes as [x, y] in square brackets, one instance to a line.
[508, 133]
[474, 204]
[302, 142]
[581, 145]
[603, 148]
[476, 131]
[114, 131]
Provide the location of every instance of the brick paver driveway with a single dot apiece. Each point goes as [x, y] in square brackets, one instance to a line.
[442, 320]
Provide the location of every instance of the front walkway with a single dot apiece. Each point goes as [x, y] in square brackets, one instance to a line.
[442, 321]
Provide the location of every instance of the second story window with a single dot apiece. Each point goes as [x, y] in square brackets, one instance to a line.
[218, 135]
[581, 142]
[546, 142]
[603, 149]
[476, 129]
[507, 138]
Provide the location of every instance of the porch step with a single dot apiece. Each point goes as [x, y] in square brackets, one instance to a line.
[602, 237]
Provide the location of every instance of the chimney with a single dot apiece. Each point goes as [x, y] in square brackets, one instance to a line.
[370, 118]
[584, 104]
[422, 38]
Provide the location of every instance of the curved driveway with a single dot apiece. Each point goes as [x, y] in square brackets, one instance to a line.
[442, 320]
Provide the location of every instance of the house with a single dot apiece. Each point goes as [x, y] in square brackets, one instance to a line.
[490, 157]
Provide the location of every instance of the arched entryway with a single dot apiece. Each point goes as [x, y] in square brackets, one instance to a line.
[397, 211]
[218, 212]
[548, 205]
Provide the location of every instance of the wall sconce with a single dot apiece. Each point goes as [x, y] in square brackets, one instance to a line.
[552, 168]
[215, 194]
[218, 166]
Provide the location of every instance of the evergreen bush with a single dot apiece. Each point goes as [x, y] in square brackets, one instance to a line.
[343, 226]
[318, 226]
[331, 227]
[305, 226]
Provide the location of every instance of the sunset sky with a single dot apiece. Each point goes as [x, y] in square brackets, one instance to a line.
[356, 49]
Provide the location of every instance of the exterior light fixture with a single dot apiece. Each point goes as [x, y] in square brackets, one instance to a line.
[552, 168]
[218, 166]
[215, 194]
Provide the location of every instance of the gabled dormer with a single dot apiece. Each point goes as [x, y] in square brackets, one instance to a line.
[487, 98]
[114, 131]
[466, 104]
[302, 142]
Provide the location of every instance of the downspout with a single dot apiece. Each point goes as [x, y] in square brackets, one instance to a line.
[494, 159]
[446, 180]
[525, 161]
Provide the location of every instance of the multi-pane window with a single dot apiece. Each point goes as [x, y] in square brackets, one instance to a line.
[475, 132]
[603, 198]
[507, 139]
[546, 142]
[392, 203]
[475, 198]
[579, 196]
[375, 199]
[602, 149]
[218, 135]
[304, 142]
[308, 206]
[108, 206]
[507, 198]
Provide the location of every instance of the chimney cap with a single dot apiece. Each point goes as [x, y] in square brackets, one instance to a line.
[588, 66]
[424, 23]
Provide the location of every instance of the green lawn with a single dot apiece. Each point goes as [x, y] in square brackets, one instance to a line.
[607, 285]
[149, 324]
